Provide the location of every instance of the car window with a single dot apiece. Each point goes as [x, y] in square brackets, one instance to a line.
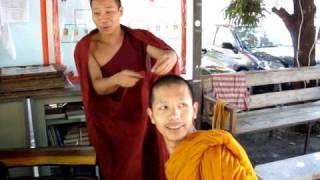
[223, 35]
[259, 38]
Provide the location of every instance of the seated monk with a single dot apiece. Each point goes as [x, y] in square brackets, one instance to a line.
[205, 155]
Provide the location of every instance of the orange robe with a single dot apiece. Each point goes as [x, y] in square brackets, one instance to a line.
[127, 144]
[209, 155]
[220, 116]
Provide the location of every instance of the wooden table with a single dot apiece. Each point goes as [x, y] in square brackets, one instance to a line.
[72, 155]
[297, 168]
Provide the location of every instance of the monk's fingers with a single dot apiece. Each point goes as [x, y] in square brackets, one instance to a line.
[163, 69]
[160, 65]
[127, 78]
[130, 82]
[163, 66]
[156, 66]
[132, 74]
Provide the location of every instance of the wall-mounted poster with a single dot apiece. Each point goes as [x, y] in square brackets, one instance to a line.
[74, 22]
[15, 11]
[164, 18]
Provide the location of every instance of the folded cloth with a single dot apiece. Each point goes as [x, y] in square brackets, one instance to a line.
[209, 155]
[231, 87]
[220, 116]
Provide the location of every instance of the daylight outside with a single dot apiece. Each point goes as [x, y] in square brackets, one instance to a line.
[226, 48]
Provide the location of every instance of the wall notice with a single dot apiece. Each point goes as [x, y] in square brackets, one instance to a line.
[15, 11]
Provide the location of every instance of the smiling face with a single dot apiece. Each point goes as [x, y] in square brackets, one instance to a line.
[106, 15]
[173, 112]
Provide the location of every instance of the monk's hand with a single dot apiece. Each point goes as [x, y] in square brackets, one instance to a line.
[165, 63]
[127, 78]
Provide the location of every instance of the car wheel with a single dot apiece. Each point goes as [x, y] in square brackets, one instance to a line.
[242, 69]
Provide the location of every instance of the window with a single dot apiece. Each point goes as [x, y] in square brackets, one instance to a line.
[223, 35]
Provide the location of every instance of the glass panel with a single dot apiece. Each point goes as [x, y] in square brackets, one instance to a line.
[224, 35]
[162, 18]
[20, 33]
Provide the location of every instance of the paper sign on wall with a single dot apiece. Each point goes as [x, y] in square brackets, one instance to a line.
[15, 11]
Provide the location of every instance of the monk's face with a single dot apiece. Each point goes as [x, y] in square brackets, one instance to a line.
[106, 15]
[173, 112]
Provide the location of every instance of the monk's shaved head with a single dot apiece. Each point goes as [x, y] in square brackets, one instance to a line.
[117, 1]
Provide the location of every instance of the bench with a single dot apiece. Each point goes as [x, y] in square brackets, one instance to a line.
[300, 167]
[65, 156]
[271, 110]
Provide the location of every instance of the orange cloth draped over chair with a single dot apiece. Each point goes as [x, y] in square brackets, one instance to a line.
[220, 116]
[209, 155]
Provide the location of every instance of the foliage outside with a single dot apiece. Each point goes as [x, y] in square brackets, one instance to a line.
[300, 24]
[245, 12]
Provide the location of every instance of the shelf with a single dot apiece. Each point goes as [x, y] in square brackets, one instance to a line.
[63, 121]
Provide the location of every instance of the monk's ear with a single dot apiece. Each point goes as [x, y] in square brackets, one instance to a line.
[149, 111]
[121, 10]
[195, 110]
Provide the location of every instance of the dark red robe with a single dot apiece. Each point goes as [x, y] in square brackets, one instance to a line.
[128, 146]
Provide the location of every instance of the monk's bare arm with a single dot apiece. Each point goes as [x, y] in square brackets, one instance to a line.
[101, 85]
[165, 59]
[108, 85]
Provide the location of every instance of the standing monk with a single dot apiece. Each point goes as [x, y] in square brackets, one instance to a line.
[116, 67]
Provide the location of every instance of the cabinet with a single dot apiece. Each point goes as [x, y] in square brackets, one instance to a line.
[14, 131]
[41, 123]
[13, 128]
[47, 125]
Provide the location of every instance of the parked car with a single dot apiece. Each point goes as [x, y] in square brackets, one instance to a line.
[267, 44]
[209, 66]
[226, 57]
[229, 50]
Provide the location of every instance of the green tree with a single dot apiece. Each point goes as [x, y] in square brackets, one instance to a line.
[300, 24]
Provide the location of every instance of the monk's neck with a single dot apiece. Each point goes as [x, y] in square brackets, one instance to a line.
[171, 146]
[113, 38]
